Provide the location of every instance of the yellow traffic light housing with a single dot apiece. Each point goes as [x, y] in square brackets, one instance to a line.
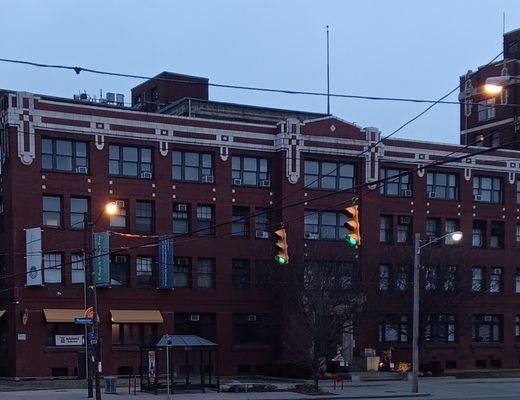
[353, 236]
[282, 256]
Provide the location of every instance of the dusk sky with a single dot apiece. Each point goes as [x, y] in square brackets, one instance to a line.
[413, 49]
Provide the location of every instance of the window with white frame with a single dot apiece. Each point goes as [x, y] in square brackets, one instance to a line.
[486, 110]
[52, 267]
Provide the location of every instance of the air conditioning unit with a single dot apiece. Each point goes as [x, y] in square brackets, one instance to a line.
[311, 236]
[237, 182]
[120, 259]
[488, 318]
[407, 193]
[477, 197]
[207, 179]
[194, 317]
[182, 261]
[81, 170]
[251, 318]
[497, 271]
[120, 203]
[405, 220]
[262, 234]
[181, 207]
[146, 175]
[265, 183]
[432, 195]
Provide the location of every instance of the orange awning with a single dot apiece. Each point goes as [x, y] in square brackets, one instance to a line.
[63, 314]
[136, 317]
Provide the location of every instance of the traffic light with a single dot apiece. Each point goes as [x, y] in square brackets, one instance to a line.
[353, 235]
[282, 256]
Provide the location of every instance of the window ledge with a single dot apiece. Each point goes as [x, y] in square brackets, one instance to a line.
[499, 345]
[62, 349]
[126, 347]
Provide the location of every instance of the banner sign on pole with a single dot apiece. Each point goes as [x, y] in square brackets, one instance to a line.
[101, 259]
[33, 248]
[165, 257]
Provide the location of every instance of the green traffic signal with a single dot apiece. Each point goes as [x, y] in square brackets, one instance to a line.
[351, 241]
[280, 260]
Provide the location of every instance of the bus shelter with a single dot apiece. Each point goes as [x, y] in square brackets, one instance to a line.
[185, 361]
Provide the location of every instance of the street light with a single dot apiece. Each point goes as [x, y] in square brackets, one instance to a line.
[91, 296]
[495, 84]
[456, 236]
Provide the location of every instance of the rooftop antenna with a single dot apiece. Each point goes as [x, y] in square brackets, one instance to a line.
[328, 78]
[503, 22]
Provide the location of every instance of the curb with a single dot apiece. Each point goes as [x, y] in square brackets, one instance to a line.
[375, 396]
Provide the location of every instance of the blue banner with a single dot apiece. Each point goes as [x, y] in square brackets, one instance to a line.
[101, 260]
[165, 257]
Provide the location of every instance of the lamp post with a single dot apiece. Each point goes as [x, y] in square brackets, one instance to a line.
[91, 298]
[495, 84]
[456, 236]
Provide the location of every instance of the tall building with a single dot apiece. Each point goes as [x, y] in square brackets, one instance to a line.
[177, 163]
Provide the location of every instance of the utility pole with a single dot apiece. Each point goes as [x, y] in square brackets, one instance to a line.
[415, 317]
[328, 80]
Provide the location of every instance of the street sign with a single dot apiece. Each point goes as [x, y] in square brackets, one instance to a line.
[83, 321]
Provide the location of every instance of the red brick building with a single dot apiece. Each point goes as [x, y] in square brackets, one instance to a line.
[176, 162]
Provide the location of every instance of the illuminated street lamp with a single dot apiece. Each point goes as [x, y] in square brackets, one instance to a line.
[495, 84]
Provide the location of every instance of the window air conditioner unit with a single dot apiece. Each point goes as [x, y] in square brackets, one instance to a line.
[497, 271]
[207, 179]
[146, 175]
[262, 234]
[488, 318]
[181, 207]
[407, 193]
[120, 259]
[237, 182]
[81, 170]
[182, 261]
[265, 183]
[312, 236]
[405, 220]
[477, 197]
[251, 318]
[120, 203]
[194, 317]
[431, 195]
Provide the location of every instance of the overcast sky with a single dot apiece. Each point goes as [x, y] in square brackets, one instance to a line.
[380, 48]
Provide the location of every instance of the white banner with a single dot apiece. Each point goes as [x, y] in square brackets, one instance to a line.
[33, 248]
[69, 340]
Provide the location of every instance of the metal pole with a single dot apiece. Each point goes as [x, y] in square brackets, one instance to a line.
[86, 284]
[328, 80]
[415, 337]
[167, 372]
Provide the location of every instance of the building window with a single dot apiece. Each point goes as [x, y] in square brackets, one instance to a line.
[205, 220]
[517, 328]
[477, 279]
[241, 274]
[240, 224]
[250, 171]
[190, 166]
[78, 208]
[144, 216]
[182, 272]
[144, 268]
[55, 330]
[78, 268]
[394, 329]
[395, 184]
[131, 162]
[52, 211]
[118, 220]
[384, 277]
[64, 156]
[495, 139]
[52, 267]
[119, 270]
[450, 279]
[479, 233]
[433, 230]
[252, 329]
[401, 279]
[134, 334]
[404, 229]
[442, 328]
[486, 328]
[430, 278]
[325, 225]
[203, 325]
[496, 280]
[262, 220]
[329, 175]
[385, 229]
[497, 235]
[517, 236]
[517, 281]
[450, 226]
[206, 273]
[487, 189]
[486, 109]
[442, 186]
[180, 218]
[517, 192]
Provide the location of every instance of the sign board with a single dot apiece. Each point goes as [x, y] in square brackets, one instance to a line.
[165, 262]
[101, 259]
[33, 249]
[69, 340]
[84, 320]
[151, 365]
[22, 337]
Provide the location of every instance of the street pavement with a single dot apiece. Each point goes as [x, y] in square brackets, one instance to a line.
[434, 388]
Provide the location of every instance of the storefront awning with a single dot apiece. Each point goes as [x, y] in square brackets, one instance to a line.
[136, 317]
[63, 314]
[2, 312]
